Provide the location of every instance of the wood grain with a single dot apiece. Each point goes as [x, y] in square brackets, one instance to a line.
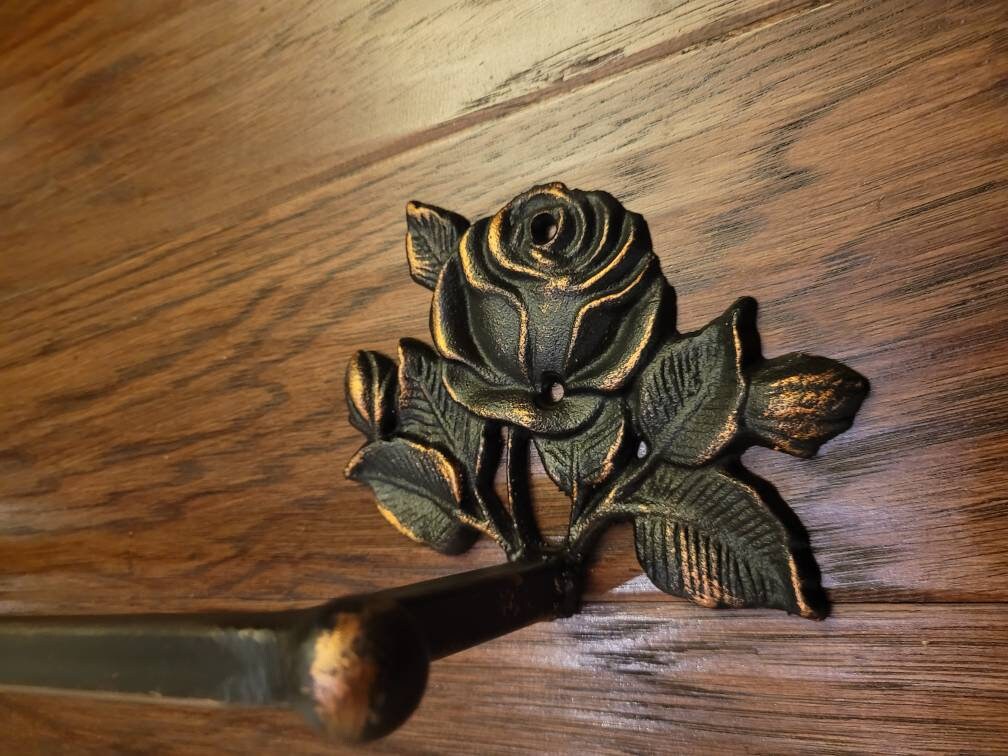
[634, 678]
[194, 115]
[172, 428]
[174, 424]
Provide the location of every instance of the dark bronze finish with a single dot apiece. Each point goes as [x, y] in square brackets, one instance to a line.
[553, 325]
[356, 666]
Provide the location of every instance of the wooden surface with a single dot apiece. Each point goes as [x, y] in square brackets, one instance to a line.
[201, 216]
[647, 678]
[189, 116]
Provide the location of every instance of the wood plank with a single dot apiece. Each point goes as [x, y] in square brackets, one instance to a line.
[192, 114]
[633, 678]
[173, 424]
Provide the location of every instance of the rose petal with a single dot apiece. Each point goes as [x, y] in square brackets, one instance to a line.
[632, 329]
[478, 324]
[449, 318]
[515, 404]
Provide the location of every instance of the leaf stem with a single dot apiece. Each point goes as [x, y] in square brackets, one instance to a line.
[598, 511]
[496, 521]
[578, 503]
[497, 525]
[516, 462]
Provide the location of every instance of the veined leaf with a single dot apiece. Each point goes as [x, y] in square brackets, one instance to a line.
[432, 236]
[418, 491]
[686, 401]
[428, 413]
[712, 537]
[585, 459]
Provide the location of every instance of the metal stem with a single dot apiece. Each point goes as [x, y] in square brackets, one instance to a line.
[516, 462]
[356, 666]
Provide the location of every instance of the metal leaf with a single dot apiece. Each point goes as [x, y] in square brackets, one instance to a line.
[576, 462]
[686, 401]
[798, 402]
[427, 411]
[719, 540]
[432, 236]
[371, 393]
[418, 491]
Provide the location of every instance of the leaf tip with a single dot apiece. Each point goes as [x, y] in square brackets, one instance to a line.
[432, 236]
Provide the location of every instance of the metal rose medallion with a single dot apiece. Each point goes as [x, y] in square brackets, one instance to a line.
[559, 292]
[553, 324]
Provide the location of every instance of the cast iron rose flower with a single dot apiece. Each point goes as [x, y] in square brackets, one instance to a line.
[547, 307]
[552, 318]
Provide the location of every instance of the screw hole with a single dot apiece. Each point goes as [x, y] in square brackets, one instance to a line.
[543, 228]
[556, 392]
[552, 390]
